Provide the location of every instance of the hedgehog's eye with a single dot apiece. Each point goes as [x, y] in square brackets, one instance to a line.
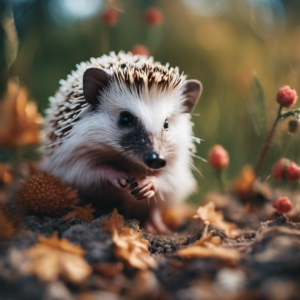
[166, 124]
[126, 119]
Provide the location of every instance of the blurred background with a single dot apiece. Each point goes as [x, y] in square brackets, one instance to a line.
[222, 43]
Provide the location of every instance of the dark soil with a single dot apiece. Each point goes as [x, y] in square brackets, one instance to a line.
[269, 267]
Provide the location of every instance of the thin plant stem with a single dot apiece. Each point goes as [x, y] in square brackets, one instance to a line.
[220, 180]
[280, 116]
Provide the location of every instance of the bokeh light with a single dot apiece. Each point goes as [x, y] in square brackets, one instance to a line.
[72, 10]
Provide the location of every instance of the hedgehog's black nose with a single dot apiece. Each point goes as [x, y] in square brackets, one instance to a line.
[154, 160]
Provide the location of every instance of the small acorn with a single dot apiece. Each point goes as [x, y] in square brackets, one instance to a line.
[45, 195]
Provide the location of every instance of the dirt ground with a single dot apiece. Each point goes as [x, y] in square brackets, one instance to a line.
[266, 266]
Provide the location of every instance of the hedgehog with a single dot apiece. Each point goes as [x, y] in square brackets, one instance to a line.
[119, 130]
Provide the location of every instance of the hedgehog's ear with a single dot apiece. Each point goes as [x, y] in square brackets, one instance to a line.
[94, 81]
[192, 92]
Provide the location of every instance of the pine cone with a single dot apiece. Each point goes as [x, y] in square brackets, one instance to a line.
[45, 195]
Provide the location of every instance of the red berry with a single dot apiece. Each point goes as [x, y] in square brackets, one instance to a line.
[110, 17]
[218, 157]
[279, 169]
[282, 205]
[286, 96]
[153, 16]
[140, 50]
[292, 172]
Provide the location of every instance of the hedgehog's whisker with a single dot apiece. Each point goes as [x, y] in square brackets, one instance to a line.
[193, 167]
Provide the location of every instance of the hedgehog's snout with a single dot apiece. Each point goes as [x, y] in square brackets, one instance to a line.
[155, 160]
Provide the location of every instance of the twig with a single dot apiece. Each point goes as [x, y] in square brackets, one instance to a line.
[220, 180]
[280, 116]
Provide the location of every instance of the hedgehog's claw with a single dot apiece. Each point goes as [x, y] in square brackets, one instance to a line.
[144, 188]
[118, 179]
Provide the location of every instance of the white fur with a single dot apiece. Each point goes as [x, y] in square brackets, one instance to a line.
[99, 130]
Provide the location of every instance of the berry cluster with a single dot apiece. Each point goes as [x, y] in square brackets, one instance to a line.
[285, 169]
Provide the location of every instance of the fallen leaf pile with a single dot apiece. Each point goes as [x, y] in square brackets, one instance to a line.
[84, 213]
[129, 247]
[52, 258]
[209, 246]
[45, 195]
[19, 119]
[208, 213]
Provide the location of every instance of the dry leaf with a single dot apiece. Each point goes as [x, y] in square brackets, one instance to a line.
[247, 185]
[10, 223]
[52, 258]
[84, 213]
[7, 229]
[5, 174]
[208, 246]
[19, 119]
[242, 185]
[129, 247]
[213, 252]
[175, 216]
[132, 250]
[46, 195]
[108, 270]
[115, 222]
[208, 213]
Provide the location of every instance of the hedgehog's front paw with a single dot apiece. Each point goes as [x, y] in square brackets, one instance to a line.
[119, 179]
[144, 188]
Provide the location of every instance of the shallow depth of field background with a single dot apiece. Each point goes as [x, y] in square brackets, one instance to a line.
[219, 42]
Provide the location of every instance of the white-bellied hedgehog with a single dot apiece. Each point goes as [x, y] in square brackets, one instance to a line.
[119, 130]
